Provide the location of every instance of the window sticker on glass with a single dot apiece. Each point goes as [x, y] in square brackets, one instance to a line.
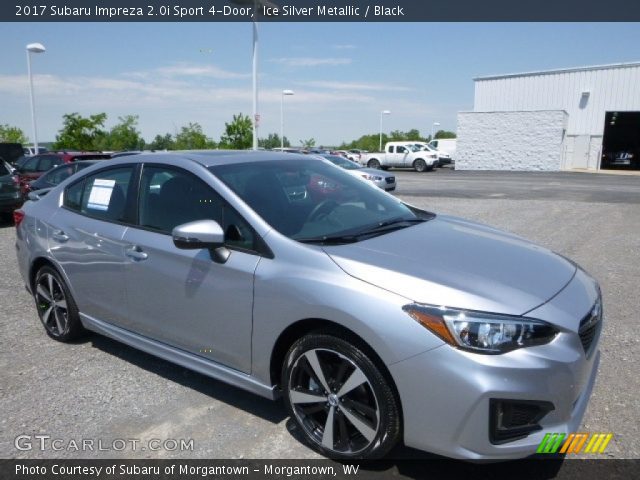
[100, 194]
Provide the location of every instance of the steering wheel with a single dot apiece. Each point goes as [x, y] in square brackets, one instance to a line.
[323, 208]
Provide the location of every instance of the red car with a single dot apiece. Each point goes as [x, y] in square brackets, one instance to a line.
[36, 165]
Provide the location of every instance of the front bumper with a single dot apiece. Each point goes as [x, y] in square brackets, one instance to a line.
[446, 392]
[446, 410]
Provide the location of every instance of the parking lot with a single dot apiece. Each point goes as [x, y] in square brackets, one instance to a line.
[100, 389]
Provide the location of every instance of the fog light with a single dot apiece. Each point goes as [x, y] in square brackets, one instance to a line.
[511, 420]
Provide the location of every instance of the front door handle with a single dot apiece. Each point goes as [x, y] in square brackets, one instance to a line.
[136, 253]
[60, 236]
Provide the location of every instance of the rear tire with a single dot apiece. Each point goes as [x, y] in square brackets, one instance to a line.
[56, 308]
[373, 163]
[340, 400]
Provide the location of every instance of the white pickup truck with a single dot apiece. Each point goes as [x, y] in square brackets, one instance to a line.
[401, 154]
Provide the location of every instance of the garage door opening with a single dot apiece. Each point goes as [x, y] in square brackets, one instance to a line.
[621, 141]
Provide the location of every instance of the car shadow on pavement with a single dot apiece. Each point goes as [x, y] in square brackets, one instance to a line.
[254, 404]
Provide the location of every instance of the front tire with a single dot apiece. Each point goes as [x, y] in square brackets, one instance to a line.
[339, 398]
[56, 308]
[420, 165]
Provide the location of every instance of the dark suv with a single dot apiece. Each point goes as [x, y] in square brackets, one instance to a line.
[36, 165]
[10, 152]
[10, 197]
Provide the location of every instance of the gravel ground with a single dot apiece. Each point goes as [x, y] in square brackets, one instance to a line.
[99, 389]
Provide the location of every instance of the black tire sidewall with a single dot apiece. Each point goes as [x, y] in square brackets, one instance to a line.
[389, 427]
[74, 326]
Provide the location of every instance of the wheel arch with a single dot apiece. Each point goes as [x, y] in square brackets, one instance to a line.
[36, 265]
[303, 327]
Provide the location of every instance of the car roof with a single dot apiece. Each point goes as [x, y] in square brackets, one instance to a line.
[210, 158]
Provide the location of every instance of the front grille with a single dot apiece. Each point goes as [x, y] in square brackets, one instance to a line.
[390, 179]
[590, 327]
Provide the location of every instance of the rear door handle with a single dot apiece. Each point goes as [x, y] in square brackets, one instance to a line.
[136, 253]
[60, 236]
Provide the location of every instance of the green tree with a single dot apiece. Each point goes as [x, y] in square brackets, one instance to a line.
[309, 143]
[162, 143]
[192, 137]
[445, 134]
[238, 135]
[124, 135]
[273, 141]
[80, 133]
[12, 134]
[369, 142]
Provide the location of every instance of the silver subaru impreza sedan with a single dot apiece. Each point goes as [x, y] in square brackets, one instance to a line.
[287, 276]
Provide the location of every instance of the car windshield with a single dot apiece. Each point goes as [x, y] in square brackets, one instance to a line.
[342, 162]
[312, 201]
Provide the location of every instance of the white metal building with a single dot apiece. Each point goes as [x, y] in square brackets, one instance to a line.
[574, 118]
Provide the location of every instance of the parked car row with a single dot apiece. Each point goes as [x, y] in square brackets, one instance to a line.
[35, 166]
[41, 171]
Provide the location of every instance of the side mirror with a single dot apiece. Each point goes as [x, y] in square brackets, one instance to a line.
[201, 234]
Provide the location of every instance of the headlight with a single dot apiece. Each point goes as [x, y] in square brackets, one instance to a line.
[482, 332]
[372, 177]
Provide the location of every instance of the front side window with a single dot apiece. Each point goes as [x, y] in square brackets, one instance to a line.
[170, 197]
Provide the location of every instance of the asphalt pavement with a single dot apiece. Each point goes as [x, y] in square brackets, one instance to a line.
[98, 389]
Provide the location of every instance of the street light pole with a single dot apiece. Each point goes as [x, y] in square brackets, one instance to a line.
[383, 112]
[33, 48]
[435, 124]
[284, 92]
[255, 78]
[256, 4]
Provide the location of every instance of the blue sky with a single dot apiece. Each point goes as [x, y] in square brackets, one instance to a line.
[343, 74]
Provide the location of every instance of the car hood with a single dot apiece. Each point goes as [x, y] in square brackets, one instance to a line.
[456, 263]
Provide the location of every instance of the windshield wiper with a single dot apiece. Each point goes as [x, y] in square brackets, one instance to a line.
[389, 225]
[371, 230]
[330, 240]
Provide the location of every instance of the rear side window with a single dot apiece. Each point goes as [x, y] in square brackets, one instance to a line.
[102, 195]
[73, 196]
[30, 165]
[60, 174]
[48, 162]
